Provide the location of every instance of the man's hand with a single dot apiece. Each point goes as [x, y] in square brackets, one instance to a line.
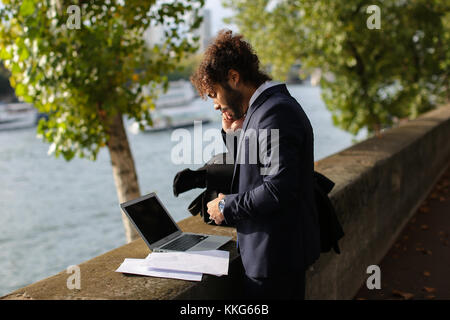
[228, 123]
[237, 124]
[213, 209]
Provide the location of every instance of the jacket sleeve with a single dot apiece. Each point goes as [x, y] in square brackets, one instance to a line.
[283, 181]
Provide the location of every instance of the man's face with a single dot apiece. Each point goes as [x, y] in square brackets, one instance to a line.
[230, 101]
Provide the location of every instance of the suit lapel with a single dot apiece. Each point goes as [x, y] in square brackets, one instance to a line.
[258, 102]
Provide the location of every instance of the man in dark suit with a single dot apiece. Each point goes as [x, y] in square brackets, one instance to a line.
[271, 201]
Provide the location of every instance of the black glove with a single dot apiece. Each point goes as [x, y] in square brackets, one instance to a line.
[187, 179]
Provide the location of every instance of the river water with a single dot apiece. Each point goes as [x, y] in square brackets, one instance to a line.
[54, 213]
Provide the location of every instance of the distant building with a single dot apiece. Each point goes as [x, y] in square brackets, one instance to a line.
[204, 31]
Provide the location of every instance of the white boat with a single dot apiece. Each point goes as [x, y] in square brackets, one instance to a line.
[173, 118]
[176, 108]
[17, 116]
[179, 93]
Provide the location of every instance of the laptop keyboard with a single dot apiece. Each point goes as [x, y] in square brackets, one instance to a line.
[184, 242]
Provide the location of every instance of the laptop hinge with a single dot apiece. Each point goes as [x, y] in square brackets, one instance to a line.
[166, 239]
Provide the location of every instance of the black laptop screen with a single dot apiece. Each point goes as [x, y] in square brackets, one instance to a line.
[151, 219]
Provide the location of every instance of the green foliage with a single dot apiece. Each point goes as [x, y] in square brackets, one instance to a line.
[370, 77]
[82, 77]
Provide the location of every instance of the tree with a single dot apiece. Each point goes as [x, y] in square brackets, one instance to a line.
[370, 77]
[84, 64]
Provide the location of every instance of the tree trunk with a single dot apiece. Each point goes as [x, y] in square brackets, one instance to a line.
[124, 170]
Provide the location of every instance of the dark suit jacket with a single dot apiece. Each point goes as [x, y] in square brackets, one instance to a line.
[216, 176]
[275, 215]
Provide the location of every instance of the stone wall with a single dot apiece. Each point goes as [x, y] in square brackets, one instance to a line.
[380, 182]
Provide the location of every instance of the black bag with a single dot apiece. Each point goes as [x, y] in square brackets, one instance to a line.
[330, 228]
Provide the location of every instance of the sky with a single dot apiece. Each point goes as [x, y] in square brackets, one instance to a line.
[218, 12]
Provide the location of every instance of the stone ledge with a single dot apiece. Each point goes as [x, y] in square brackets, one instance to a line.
[99, 281]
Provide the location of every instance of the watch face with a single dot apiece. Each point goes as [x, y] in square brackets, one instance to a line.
[221, 205]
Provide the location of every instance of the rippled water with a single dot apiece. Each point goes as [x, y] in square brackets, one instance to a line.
[55, 213]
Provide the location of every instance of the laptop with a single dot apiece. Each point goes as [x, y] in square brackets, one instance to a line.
[160, 232]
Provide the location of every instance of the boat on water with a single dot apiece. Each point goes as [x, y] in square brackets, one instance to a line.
[179, 93]
[173, 118]
[177, 108]
[18, 116]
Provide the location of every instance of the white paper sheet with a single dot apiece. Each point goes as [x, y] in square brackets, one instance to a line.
[213, 262]
[136, 266]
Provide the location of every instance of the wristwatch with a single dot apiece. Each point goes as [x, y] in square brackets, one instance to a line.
[221, 205]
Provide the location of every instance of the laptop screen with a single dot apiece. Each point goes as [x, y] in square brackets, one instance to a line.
[152, 219]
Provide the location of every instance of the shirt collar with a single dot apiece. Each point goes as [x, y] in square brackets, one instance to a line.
[260, 89]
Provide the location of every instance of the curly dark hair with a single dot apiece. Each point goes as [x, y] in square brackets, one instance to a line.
[228, 51]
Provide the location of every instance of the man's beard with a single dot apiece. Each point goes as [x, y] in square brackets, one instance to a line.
[234, 101]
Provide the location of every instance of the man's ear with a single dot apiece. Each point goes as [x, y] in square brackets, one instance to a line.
[233, 78]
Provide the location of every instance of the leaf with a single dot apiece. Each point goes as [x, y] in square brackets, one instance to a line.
[424, 251]
[429, 289]
[27, 8]
[24, 54]
[5, 54]
[404, 295]
[21, 90]
[424, 209]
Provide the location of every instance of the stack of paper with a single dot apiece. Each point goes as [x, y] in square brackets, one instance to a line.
[179, 265]
[136, 266]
